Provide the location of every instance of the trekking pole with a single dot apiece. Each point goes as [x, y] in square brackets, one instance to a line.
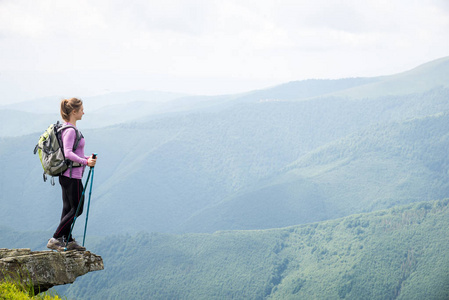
[88, 203]
[77, 210]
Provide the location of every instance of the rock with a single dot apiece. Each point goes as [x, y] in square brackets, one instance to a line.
[47, 268]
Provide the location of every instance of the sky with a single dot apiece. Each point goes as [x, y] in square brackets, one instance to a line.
[208, 47]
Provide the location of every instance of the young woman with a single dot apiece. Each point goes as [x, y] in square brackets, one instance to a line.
[72, 187]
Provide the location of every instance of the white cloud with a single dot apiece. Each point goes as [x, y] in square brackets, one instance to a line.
[213, 46]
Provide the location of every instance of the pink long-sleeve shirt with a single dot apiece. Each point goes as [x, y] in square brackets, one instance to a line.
[68, 139]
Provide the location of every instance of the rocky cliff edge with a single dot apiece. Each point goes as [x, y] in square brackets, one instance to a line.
[45, 269]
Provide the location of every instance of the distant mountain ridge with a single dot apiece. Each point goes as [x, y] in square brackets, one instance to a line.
[119, 107]
[422, 78]
[101, 110]
[307, 89]
[215, 161]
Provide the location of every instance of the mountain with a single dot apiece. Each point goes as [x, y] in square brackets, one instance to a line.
[51, 104]
[344, 164]
[115, 108]
[377, 168]
[101, 110]
[191, 166]
[119, 107]
[424, 77]
[16, 123]
[286, 155]
[400, 253]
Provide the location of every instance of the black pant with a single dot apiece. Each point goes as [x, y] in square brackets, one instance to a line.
[72, 190]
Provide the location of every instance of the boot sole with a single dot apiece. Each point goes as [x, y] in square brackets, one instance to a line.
[56, 248]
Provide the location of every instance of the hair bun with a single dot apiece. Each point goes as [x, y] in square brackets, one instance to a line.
[68, 105]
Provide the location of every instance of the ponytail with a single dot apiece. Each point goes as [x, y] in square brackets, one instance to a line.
[69, 105]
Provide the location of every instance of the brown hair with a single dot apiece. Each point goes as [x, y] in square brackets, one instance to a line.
[69, 105]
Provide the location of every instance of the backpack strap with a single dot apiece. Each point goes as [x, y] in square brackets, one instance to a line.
[71, 168]
[78, 138]
[79, 135]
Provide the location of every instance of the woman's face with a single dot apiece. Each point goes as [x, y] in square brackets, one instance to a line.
[79, 113]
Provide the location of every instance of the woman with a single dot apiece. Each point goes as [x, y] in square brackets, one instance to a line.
[72, 187]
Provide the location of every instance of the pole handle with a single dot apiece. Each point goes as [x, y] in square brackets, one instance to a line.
[94, 155]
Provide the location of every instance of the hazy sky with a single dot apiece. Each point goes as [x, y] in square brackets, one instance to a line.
[80, 48]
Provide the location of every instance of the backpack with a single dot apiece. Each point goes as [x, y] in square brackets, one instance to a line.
[51, 151]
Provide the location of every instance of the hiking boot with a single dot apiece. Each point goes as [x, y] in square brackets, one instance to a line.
[56, 244]
[73, 245]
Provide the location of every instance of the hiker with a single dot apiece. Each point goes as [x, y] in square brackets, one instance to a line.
[72, 187]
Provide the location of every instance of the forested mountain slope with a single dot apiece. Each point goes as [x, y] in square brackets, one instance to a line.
[400, 253]
[376, 168]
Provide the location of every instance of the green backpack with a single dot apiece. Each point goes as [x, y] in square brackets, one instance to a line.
[51, 151]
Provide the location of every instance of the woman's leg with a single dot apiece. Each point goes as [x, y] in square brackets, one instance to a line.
[71, 194]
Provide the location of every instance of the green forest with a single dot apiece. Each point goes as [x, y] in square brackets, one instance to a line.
[399, 253]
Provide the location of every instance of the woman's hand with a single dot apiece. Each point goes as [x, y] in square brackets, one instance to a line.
[91, 161]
